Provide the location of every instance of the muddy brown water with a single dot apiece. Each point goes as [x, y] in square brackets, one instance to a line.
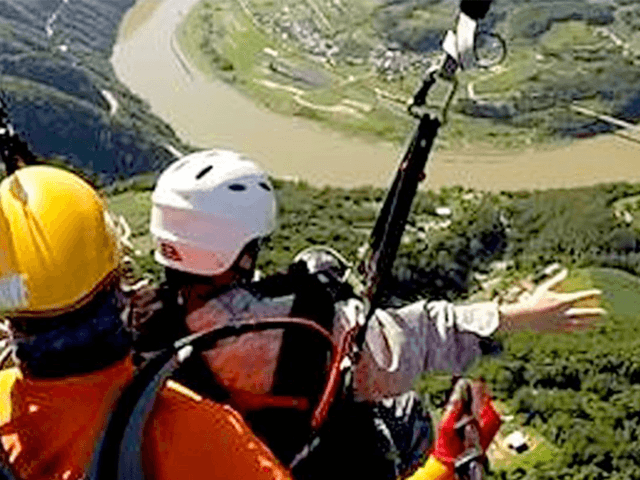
[211, 114]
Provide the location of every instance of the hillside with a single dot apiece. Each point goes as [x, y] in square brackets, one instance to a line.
[578, 391]
[350, 65]
[486, 236]
[61, 91]
[353, 65]
[359, 61]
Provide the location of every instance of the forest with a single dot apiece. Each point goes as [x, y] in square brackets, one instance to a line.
[58, 85]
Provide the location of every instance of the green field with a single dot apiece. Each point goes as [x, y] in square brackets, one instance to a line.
[222, 40]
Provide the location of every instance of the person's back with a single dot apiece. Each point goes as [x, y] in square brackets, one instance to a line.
[59, 261]
[54, 425]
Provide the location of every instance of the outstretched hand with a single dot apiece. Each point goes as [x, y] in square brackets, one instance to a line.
[545, 310]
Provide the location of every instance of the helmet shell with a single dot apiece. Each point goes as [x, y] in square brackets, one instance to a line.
[57, 243]
[206, 207]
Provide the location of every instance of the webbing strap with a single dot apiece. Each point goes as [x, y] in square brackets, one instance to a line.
[130, 458]
[119, 434]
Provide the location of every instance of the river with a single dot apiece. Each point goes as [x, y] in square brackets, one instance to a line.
[211, 114]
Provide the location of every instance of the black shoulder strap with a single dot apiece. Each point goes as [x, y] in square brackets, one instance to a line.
[302, 363]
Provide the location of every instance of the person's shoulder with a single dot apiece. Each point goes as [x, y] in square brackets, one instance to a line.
[185, 403]
[213, 436]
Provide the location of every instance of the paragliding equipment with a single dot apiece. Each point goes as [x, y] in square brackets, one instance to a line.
[378, 256]
[464, 49]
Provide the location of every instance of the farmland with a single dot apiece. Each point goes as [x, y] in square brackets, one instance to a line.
[354, 65]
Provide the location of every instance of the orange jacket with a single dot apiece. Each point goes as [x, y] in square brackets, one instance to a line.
[50, 427]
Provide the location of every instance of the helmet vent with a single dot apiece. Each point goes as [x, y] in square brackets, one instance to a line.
[265, 186]
[237, 187]
[204, 171]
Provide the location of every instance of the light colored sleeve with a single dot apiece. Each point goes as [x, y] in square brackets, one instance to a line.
[423, 336]
[479, 318]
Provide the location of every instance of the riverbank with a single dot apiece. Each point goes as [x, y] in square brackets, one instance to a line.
[136, 17]
[211, 114]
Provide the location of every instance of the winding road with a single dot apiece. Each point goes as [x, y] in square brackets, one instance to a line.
[211, 114]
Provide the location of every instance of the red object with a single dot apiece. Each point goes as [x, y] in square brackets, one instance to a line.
[331, 389]
[246, 402]
[490, 422]
[449, 445]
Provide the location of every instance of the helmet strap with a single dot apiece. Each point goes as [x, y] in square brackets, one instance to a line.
[245, 265]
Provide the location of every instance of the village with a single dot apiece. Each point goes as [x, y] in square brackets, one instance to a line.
[326, 39]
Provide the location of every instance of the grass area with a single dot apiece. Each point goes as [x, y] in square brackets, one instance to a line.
[504, 462]
[212, 46]
[135, 207]
[504, 459]
[462, 132]
[519, 67]
[573, 389]
[547, 51]
[565, 36]
[527, 63]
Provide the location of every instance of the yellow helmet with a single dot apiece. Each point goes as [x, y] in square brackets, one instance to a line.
[58, 246]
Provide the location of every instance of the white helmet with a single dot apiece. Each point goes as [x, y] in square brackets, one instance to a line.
[207, 206]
